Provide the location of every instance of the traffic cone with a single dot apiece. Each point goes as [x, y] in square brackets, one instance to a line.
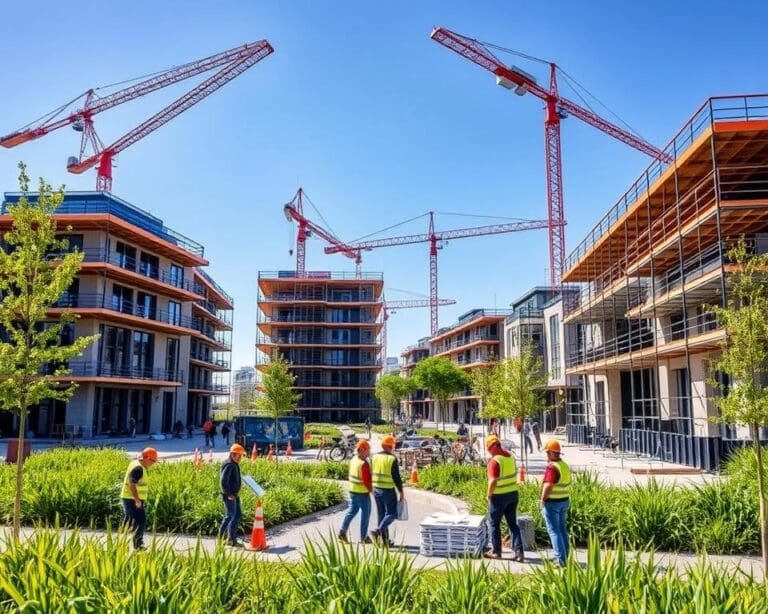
[289, 449]
[307, 435]
[258, 535]
[197, 460]
[271, 455]
[254, 453]
[210, 456]
[521, 478]
[415, 472]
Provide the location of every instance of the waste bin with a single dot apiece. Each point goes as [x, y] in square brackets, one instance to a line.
[13, 450]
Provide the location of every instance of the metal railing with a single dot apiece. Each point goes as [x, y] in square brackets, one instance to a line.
[748, 108]
[319, 275]
[320, 297]
[444, 347]
[306, 318]
[106, 301]
[621, 344]
[215, 285]
[87, 368]
[222, 315]
[208, 386]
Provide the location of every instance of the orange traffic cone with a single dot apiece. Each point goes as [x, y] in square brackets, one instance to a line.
[521, 478]
[254, 453]
[210, 456]
[289, 449]
[271, 454]
[307, 435]
[258, 535]
[197, 460]
[415, 472]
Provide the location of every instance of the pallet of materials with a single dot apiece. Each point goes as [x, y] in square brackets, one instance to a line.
[449, 535]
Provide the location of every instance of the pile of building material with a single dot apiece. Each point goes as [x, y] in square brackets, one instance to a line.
[453, 535]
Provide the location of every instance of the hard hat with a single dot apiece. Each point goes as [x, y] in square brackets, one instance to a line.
[363, 445]
[552, 446]
[388, 441]
[491, 441]
[236, 448]
[149, 454]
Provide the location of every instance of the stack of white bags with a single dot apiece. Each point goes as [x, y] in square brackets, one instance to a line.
[453, 535]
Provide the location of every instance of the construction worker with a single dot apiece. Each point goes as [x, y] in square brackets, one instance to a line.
[386, 483]
[555, 491]
[134, 494]
[360, 488]
[502, 499]
[230, 481]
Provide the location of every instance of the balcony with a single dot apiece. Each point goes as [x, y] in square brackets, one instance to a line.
[313, 340]
[458, 343]
[200, 385]
[215, 286]
[111, 303]
[320, 319]
[621, 344]
[220, 364]
[222, 315]
[320, 275]
[91, 369]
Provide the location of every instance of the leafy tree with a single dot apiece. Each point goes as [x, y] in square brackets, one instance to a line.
[278, 399]
[442, 378]
[745, 358]
[32, 359]
[390, 390]
[483, 382]
[518, 388]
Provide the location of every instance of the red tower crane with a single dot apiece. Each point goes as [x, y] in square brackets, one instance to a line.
[294, 210]
[556, 108]
[433, 238]
[233, 63]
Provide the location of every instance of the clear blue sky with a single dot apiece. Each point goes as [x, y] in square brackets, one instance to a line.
[377, 123]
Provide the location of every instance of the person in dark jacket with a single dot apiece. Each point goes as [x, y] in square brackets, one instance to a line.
[230, 493]
[225, 433]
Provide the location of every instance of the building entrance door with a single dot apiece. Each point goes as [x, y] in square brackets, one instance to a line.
[168, 398]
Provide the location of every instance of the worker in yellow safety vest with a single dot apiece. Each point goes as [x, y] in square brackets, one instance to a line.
[360, 487]
[555, 501]
[386, 484]
[502, 499]
[134, 494]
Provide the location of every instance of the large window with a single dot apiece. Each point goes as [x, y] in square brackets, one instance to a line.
[126, 256]
[142, 354]
[171, 356]
[114, 350]
[146, 305]
[554, 351]
[176, 276]
[174, 313]
[122, 299]
[149, 265]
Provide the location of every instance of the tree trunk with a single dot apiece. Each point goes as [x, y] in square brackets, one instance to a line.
[277, 441]
[761, 494]
[19, 473]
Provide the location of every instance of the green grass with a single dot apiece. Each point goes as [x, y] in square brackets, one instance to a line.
[81, 488]
[51, 573]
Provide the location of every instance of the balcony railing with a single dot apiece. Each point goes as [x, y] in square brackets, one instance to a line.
[319, 275]
[106, 301]
[444, 347]
[208, 386]
[223, 315]
[202, 357]
[85, 368]
[320, 297]
[166, 276]
[312, 340]
[628, 342]
[218, 288]
[725, 108]
[306, 318]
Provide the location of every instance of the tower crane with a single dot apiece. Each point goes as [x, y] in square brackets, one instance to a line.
[433, 238]
[232, 63]
[391, 306]
[556, 108]
[294, 211]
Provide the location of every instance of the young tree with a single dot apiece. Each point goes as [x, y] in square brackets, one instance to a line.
[390, 390]
[442, 378]
[518, 388]
[744, 358]
[35, 270]
[483, 383]
[278, 398]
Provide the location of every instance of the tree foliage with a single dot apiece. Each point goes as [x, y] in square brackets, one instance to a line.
[442, 378]
[278, 399]
[744, 357]
[36, 268]
[391, 389]
[482, 381]
[517, 388]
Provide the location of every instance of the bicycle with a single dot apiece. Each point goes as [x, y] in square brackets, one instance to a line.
[344, 449]
[465, 451]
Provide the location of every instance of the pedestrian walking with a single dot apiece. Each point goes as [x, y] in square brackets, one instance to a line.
[360, 488]
[207, 428]
[225, 433]
[503, 495]
[555, 492]
[536, 430]
[368, 426]
[134, 495]
[527, 437]
[386, 485]
[213, 434]
[132, 427]
[231, 482]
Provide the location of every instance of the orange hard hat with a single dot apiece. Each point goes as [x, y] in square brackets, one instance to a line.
[388, 440]
[491, 441]
[363, 445]
[236, 448]
[552, 446]
[149, 454]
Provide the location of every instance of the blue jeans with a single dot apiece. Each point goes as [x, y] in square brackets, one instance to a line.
[358, 502]
[386, 509]
[231, 520]
[555, 511]
[504, 506]
[136, 518]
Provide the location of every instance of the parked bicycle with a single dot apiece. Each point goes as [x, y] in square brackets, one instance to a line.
[344, 449]
[466, 452]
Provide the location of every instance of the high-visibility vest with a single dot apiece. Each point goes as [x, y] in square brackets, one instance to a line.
[142, 486]
[561, 489]
[356, 484]
[507, 481]
[381, 467]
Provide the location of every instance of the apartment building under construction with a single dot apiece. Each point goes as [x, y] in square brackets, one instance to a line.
[643, 334]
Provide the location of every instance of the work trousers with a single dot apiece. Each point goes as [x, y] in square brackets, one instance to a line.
[136, 518]
[386, 509]
[232, 516]
[358, 502]
[555, 512]
[504, 506]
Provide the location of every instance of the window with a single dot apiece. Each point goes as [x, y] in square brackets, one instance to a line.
[70, 296]
[74, 242]
[171, 357]
[122, 299]
[142, 354]
[114, 350]
[677, 326]
[149, 265]
[554, 339]
[146, 305]
[174, 313]
[126, 256]
[176, 276]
